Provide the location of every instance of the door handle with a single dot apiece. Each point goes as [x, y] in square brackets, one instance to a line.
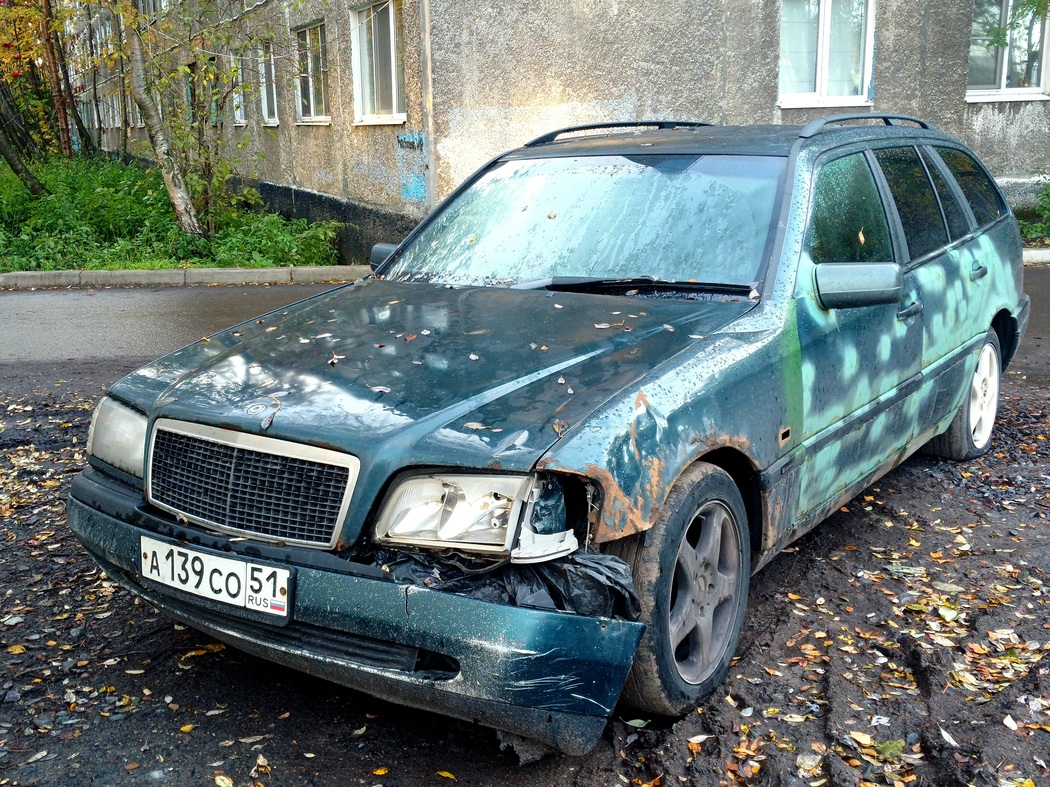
[978, 271]
[911, 311]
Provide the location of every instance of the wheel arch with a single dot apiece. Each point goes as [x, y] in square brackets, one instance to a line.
[1005, 327]
[738, 467]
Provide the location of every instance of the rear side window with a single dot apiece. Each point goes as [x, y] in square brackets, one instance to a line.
[916, 201]
[849, 223]
[982, 194]
[954, 214]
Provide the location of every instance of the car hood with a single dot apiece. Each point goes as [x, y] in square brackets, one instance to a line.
[412, 374]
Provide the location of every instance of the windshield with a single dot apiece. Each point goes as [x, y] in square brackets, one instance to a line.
[669, 217]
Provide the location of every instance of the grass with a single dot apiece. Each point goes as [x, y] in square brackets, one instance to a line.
[1035, 220]
[108, 215]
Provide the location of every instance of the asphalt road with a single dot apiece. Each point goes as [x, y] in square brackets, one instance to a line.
[104, 333]
[43, 326]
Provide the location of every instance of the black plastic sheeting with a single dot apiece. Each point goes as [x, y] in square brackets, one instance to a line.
[586, 583]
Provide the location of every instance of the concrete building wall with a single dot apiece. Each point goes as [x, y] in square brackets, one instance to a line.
[482, 76]
[504, 73]
[920, 64]
[370, 176]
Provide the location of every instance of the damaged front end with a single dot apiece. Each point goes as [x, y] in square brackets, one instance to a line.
[537, 647]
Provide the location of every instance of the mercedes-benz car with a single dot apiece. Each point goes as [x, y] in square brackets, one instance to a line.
[522, 473]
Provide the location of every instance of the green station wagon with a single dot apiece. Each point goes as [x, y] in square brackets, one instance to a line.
[524, 471]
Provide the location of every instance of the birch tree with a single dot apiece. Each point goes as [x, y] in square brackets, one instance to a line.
[181, 66]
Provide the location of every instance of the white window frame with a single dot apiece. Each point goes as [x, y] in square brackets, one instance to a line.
[269, 109]
[819, 97]
[151, 8]
[362, 15]
[240, 109]
[306, 75]
[1003, 93]
[135, 119]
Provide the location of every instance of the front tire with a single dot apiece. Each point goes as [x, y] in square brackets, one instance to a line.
[692, 581]
[970, 433]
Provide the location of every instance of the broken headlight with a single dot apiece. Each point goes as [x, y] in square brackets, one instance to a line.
[118, 437]
[521, 517]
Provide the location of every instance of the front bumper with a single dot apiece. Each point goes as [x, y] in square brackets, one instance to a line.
[551, 676]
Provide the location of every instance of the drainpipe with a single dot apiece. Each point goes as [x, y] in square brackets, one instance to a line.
[426, 66]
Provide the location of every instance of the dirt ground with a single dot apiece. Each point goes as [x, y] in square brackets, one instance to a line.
[905, 641]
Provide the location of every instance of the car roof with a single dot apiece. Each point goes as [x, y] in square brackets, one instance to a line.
[690, 137]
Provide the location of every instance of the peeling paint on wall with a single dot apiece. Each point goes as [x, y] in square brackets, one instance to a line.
[411, 164]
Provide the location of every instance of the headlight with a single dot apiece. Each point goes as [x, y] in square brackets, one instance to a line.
[478, 513]
[472, 512]
[118, 437]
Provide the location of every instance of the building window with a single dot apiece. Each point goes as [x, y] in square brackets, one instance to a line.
[134, 114]
[313, 65]
[826, 52]
[1007, 49]
[240, 111]
[378, 69]
[151, 8]
[267, 85]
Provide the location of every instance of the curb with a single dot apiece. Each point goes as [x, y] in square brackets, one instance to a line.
[181, 277]
[335, 274]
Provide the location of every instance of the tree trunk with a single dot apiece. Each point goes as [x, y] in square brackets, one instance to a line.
[15, 124]
[58, 96]
[87, 144]
[7, 150]
[92, 51]
[125, 116]
[178, 191]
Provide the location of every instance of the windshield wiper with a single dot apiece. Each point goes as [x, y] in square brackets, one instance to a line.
[594, 284]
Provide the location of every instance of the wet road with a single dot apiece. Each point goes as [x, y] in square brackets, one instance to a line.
[51, 334]
[55, 325]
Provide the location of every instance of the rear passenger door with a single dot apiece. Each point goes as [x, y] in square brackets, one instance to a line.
[984, 205]
[935, 227]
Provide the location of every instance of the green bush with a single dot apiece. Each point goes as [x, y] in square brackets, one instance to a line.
[104, 214]
[1035, 221]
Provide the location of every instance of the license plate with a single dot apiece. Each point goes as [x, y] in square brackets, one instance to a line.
[239, 583]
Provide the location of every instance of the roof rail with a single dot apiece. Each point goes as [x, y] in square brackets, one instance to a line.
[815, 127]
[661, 124]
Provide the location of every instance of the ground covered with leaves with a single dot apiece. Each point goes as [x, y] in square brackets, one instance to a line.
[906, 641]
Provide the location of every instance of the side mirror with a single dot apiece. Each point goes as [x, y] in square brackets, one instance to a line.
[845, 285]
[380, 253]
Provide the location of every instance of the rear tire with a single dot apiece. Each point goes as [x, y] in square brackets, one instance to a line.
[970, 433]
[692, 581]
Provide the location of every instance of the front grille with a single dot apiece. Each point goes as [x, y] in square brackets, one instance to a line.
[271, 489]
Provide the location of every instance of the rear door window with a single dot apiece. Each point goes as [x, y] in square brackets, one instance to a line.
[980, 191]
[954, 215]
[916, 201]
